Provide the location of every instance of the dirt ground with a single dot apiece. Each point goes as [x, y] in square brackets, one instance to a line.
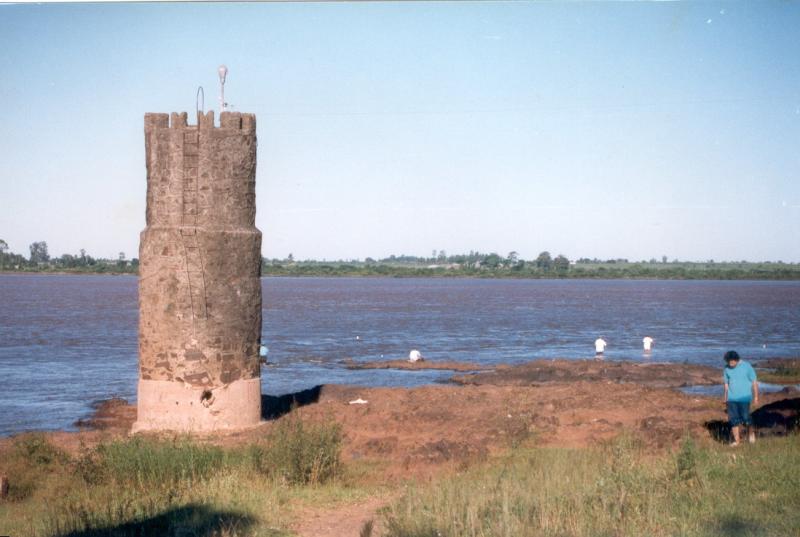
[344, 521]
[653, 375]
[414, 366]
[426, 431]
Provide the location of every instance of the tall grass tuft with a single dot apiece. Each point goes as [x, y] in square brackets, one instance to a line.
[145, 462]
[301, 453]
[687, 461]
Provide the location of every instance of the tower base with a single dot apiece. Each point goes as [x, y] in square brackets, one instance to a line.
[176, 406]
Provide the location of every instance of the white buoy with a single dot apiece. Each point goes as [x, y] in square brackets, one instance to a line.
[415, 356]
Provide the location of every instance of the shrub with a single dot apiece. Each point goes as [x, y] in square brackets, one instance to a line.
[32, 457]
[298, 452]
[37, 452]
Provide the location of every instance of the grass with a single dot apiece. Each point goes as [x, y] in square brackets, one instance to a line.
[149, 486]
[179, 487]
[617, 490]
[146, 463]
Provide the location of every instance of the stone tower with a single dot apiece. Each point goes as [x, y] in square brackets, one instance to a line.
[200, 268]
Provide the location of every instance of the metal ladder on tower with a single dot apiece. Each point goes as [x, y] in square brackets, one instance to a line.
[191, 248]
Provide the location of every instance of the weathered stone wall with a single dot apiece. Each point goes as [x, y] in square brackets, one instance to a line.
[199, 285]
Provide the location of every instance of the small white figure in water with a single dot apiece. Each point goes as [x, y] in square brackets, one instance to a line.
[262, 352]
[647, 342]
[599, 347]
[415, 356]
[358, 338]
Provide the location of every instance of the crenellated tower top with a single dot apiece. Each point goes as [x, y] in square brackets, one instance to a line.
[229, 121]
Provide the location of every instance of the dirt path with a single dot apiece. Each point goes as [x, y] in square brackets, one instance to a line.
[342, 521]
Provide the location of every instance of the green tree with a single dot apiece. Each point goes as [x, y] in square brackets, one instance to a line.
[67, 261]
[561, 264]
[3, 246]
[544, 261]
[39, 253]
[492, 260]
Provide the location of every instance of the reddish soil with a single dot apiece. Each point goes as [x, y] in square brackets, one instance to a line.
[779, 363]
[414, 366]
[560, 371]
[343, 521]
[113, 413]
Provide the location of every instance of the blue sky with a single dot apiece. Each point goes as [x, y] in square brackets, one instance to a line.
[631, 129]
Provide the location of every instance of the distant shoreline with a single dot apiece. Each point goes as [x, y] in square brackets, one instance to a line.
[697, 275]
[65, 273]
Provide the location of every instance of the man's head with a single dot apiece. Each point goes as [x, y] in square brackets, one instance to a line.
[731, 358]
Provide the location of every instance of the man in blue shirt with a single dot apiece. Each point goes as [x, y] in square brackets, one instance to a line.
[741, 388]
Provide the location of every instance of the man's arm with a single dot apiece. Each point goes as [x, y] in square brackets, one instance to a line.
[753, 378]
[725, 398]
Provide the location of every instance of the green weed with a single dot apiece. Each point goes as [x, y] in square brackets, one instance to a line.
[303, 453]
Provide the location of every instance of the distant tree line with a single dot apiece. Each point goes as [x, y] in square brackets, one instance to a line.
[474, 260]
[494, 265]
[41, 261]
[474, 264]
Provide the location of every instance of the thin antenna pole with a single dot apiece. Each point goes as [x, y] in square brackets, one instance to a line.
[223, 72]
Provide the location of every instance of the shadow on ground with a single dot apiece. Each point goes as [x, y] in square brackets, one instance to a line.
[187, 521]
[735, 526]
[775, 419]
[273, 407]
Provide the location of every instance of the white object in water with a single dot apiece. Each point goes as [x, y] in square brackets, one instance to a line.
[647, 342]
[359, 401]
[600, 345]
[414, 356]
[263, 351]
